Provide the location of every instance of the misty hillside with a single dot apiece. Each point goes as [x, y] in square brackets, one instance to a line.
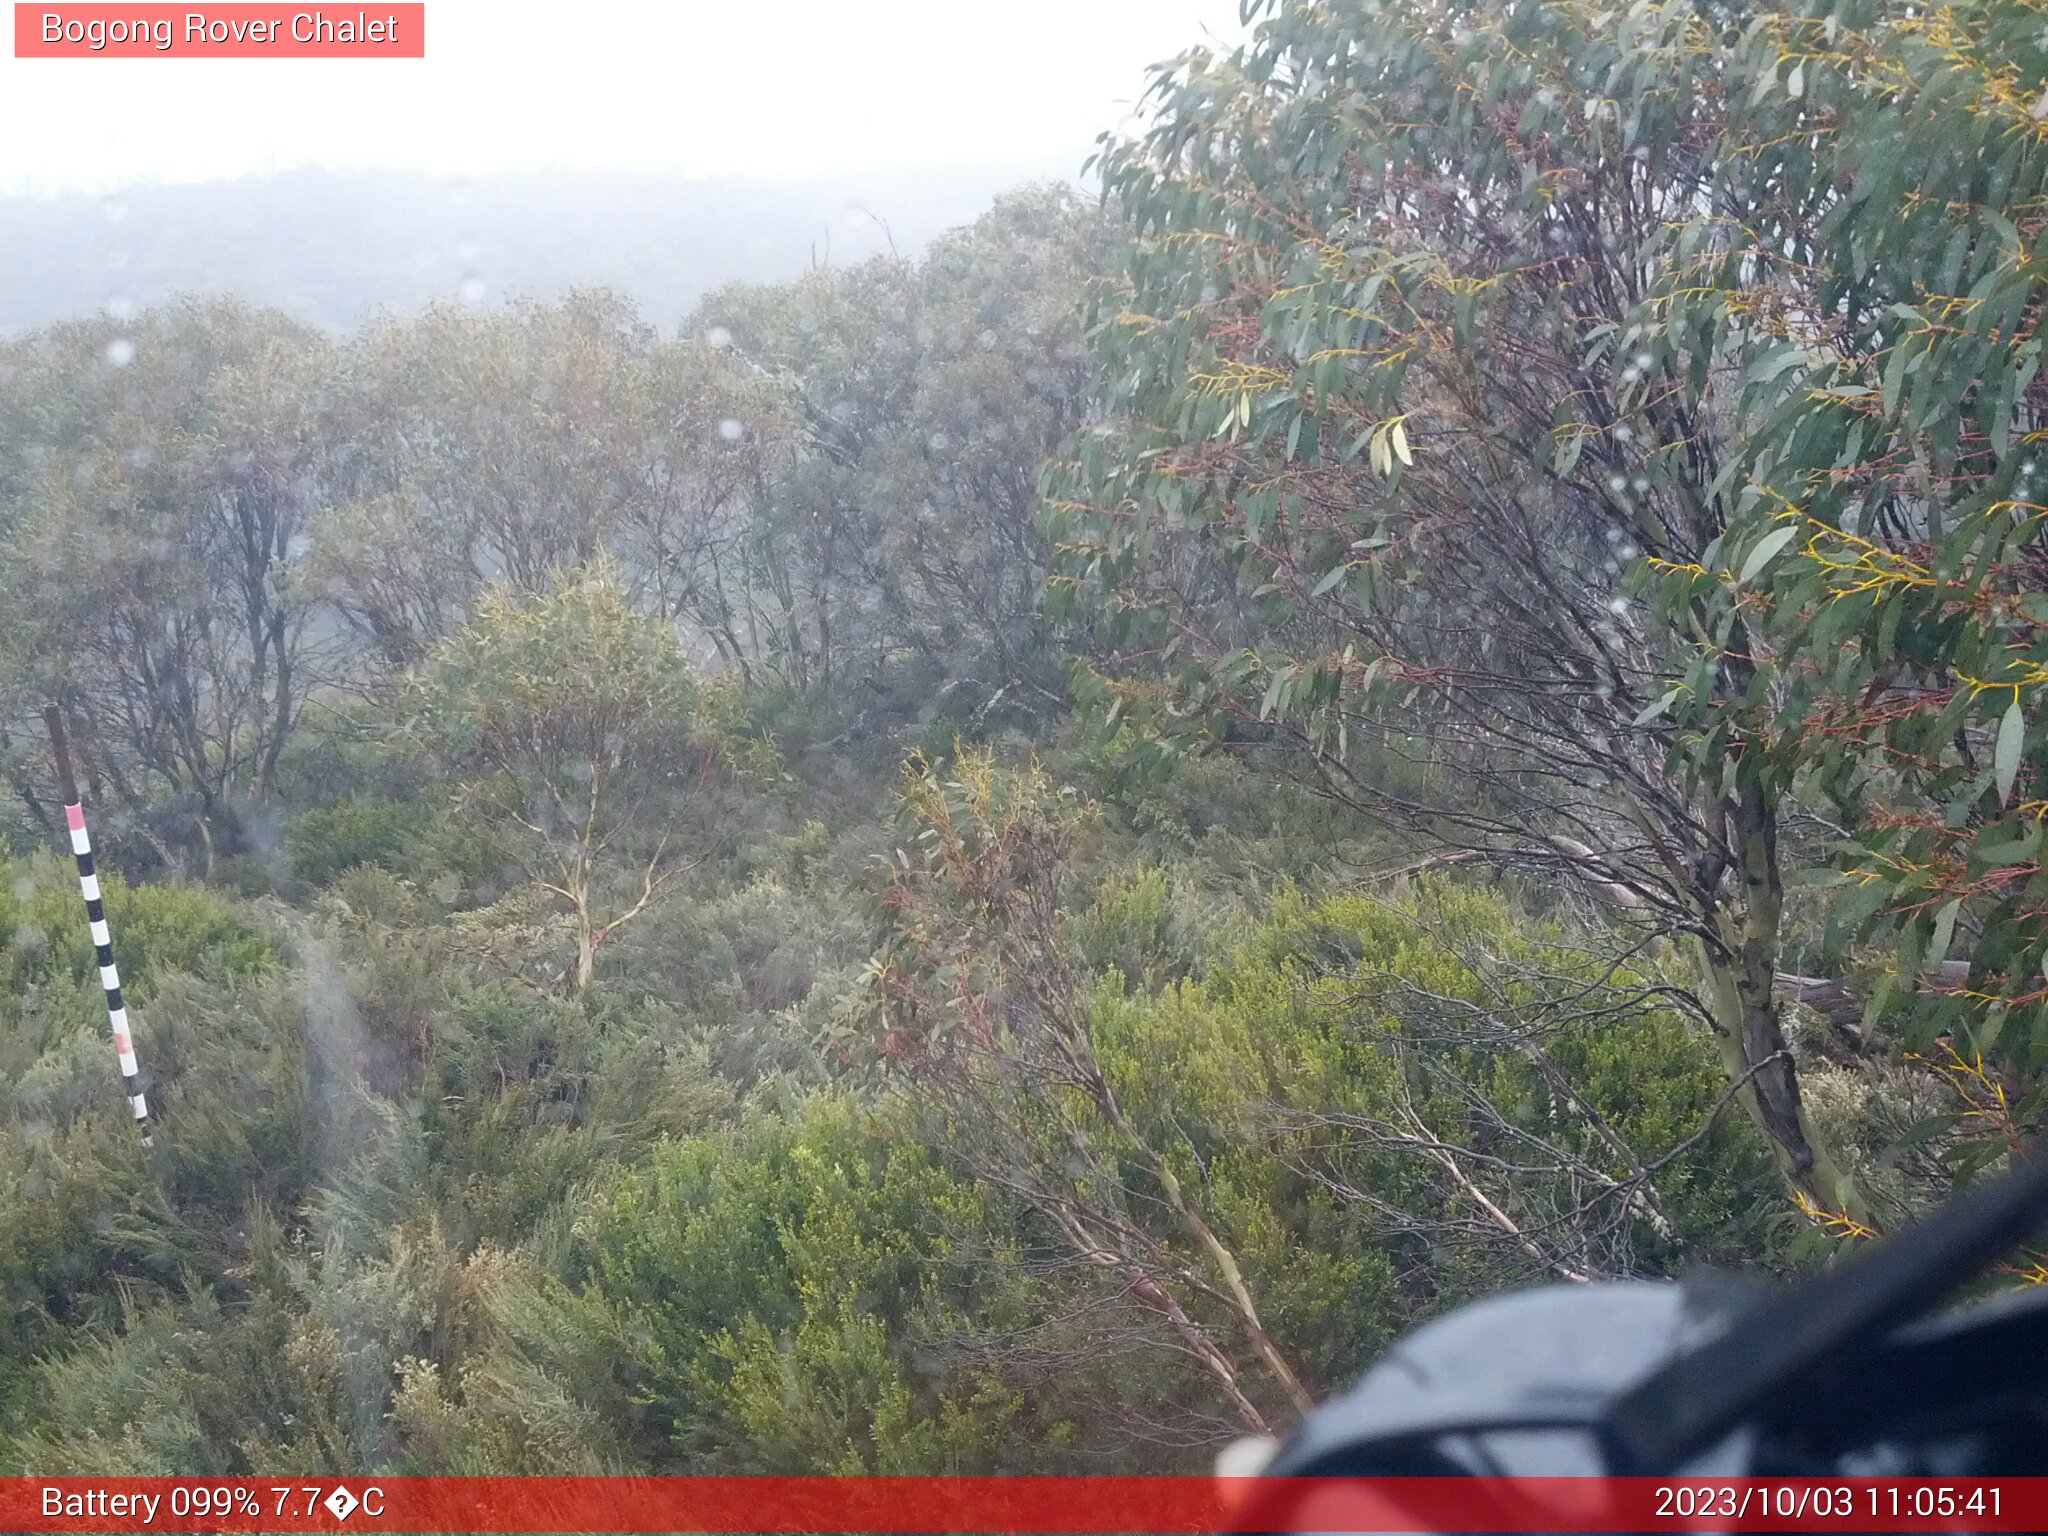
[1021, 860]
[331, 246]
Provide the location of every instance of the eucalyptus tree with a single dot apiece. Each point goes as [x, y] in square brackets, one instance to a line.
[973, 996]
[1394, 405]
[1001, 384]
[163, 476]
[503, 444]
[921, 396]
[581, 745]
[1877, 268]
[723, 439]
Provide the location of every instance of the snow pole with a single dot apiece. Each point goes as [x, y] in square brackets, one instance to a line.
[96, 919]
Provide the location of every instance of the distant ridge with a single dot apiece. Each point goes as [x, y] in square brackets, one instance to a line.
[333, 247]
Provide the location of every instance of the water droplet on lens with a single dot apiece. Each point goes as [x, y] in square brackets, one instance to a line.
[731, 430]
[120, 351]
[718, 336]
[472, 289]
[121, 307]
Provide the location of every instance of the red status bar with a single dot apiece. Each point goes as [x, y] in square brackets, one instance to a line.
[1038, 1506]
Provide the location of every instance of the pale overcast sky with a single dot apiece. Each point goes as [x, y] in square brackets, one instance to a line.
[789, 90]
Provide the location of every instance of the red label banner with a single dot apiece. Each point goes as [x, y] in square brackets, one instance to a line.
[233, 31]
[1029, 1506]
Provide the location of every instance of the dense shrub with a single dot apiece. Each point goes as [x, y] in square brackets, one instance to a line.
[330, 840]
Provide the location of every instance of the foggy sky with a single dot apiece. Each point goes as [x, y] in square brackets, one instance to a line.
[773, 88]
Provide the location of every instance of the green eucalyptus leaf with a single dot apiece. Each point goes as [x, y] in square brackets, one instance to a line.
[2005, 757]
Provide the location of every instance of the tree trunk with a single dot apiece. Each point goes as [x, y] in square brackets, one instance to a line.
[1233, 1280]
[1743, 972]
[586, 942]
[1191, 1336]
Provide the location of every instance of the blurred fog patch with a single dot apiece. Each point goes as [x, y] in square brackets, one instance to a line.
[333, 247]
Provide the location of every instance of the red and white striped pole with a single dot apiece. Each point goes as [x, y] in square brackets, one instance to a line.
[96, 918]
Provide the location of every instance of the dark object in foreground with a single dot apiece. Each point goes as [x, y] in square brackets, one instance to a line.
[1844, 1375]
